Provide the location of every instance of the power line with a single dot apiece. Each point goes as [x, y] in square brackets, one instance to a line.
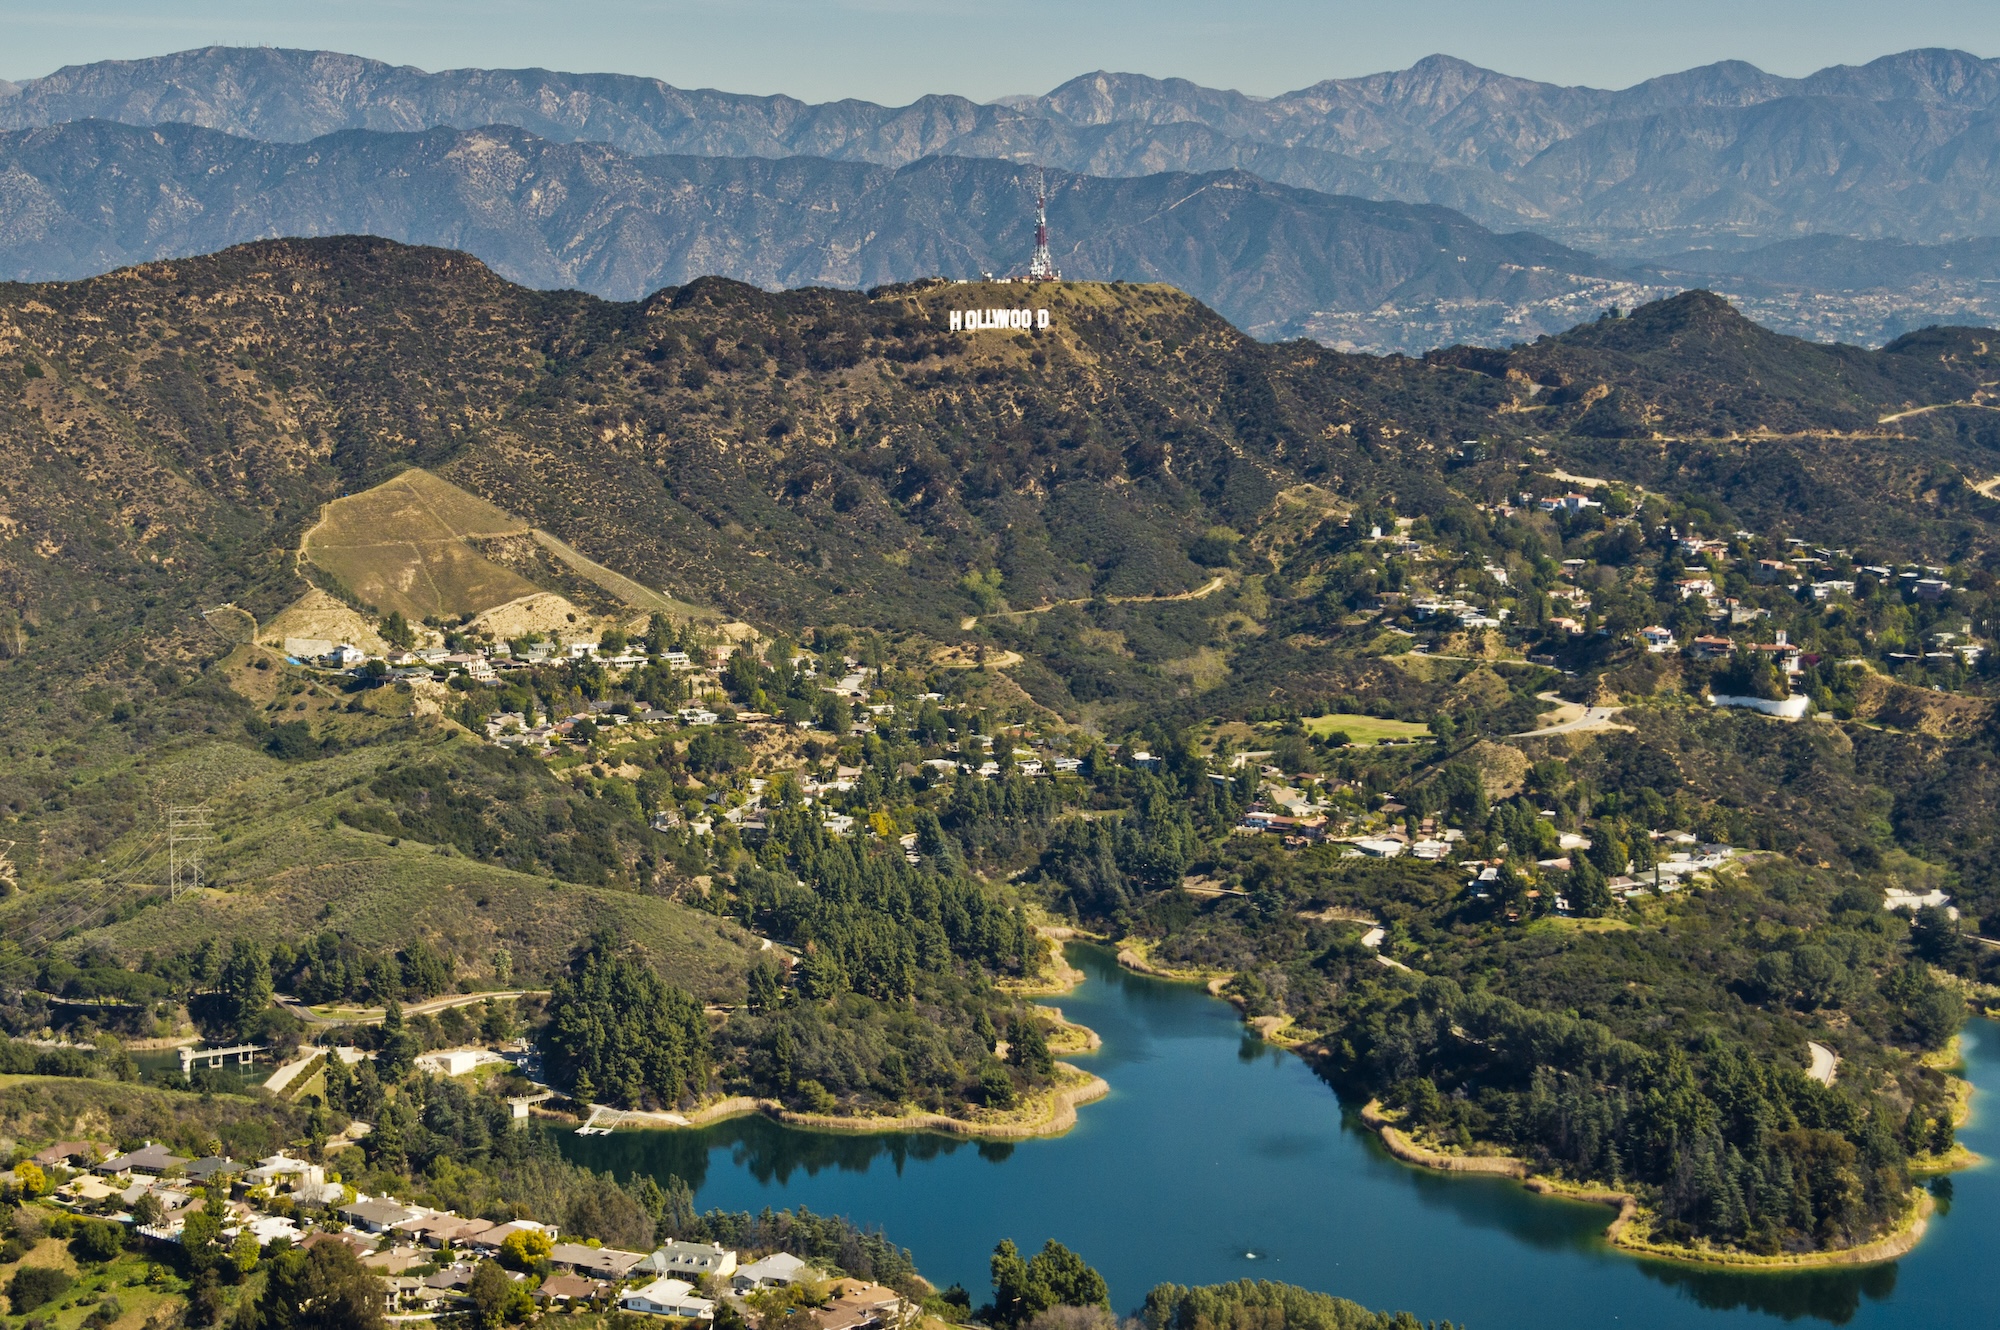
[187, 832]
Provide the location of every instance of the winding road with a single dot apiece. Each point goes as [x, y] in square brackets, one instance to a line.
[1576, 719]
[1824, 1063]
[311, 1017]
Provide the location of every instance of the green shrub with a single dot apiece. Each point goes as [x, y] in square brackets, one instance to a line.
[35, 1286]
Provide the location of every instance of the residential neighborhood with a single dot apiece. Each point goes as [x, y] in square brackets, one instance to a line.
[426, 1259]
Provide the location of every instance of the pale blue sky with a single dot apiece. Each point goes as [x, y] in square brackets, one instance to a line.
[894, 50]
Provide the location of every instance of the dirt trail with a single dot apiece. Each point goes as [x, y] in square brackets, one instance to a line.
[1895, 416]
[1214, 585]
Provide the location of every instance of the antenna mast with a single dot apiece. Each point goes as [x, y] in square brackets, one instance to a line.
[1042, 267]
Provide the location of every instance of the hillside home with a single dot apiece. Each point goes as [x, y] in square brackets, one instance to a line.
[206, 1170]
[772, 1271]
[71, 1154]
[1657, 639]
[691, 1260]
[571, 1288]
[377, 1215]
[604, 1262]
[667, 1296]
[1782, 653]
[435, 1230]
[494, 1238]
[859, 1306]
[1710, 648]
[149, 1160]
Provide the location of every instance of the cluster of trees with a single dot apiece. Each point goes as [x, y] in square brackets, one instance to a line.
[1099, 867]
[936, 1050]
[891, 1000]
[1736, 1149]
[1023, 1288]
[873, 923]
[618, 1032]
[330, 968]
[1266, 1306]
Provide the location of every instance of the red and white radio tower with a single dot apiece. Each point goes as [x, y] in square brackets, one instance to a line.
[1042, 267]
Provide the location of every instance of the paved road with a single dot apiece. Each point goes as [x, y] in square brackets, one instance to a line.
[1824, 1061]
[1575, 718]
[311, 1017]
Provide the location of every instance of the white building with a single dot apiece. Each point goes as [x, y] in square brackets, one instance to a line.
[668, 1297]
[451, 1062]
[693, 1259]
[777, 1268]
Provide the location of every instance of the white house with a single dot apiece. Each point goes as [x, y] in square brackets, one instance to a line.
[693, 1259]
[668, 1297]
[777, 1268]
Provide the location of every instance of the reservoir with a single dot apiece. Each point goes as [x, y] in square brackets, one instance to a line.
[1216, 1157]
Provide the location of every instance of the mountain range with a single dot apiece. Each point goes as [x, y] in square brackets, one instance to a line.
[1380, 213]
[80, 198]
[1903, 146]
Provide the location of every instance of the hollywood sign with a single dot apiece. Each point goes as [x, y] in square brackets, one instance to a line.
[972, 320]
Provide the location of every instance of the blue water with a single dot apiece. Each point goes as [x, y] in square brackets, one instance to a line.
[1217, 1158]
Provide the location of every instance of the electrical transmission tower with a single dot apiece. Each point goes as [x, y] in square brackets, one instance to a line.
[187, 832]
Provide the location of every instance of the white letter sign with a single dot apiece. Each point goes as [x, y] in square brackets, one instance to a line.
[974, 320]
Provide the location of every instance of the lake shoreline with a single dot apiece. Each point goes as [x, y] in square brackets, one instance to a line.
[1620, 1235]
[1052, 1113]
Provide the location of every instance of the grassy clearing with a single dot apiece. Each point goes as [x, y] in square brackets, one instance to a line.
[1364, 729]
[403, 545]
[1560, 925]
